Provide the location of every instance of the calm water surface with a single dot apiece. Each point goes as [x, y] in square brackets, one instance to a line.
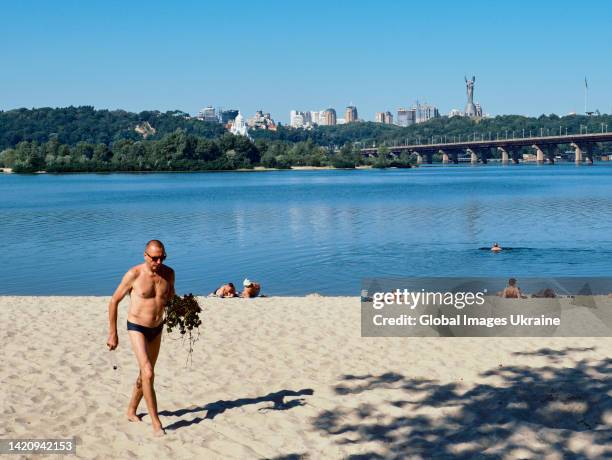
[304, 231]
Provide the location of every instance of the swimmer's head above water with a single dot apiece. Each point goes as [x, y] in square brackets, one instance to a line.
[496, 248]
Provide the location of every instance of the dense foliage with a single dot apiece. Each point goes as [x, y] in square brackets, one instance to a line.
[175, 152]
[71, 125]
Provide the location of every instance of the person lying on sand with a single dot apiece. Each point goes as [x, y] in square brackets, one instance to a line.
[150, 285]
[512, 291]
[226, 290]
[251, 289]
[547, 293]
[496, 248]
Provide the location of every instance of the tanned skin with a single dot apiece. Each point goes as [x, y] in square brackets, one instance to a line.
[150, 285]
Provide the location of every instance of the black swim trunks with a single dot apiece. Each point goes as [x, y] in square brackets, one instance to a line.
[150, 333]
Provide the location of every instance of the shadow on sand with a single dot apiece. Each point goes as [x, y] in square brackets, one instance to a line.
[520, 412]
[218, 407]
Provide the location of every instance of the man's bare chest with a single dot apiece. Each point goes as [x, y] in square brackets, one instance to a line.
[150, 287]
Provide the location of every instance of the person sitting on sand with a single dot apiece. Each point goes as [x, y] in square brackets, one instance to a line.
[251, 289]
[496, 248]
[512, 291]
[226, 290]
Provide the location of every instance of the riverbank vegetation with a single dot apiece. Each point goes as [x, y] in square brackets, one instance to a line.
[82, 139]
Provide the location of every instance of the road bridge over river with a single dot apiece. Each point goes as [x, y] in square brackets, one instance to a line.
[479, 150]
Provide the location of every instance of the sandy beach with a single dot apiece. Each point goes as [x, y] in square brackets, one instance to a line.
[292, 378]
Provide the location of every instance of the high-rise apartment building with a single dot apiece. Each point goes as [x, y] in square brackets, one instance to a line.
[296, 119]
[384, 117]
[330, 117]
[425, 112]
[350, 114]
[314, 117]
[322, 119]
[406, 117]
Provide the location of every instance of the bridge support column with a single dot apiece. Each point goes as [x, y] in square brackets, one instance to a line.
[578, 157]
[445, 159]
[505, 157]
[419, 158]
[546, 153]
[473, 156]
[539, 154]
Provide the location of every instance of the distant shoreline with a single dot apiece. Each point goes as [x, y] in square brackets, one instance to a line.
[255, 169]
[492, 162]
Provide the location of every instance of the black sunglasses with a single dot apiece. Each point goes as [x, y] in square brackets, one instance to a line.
[156, 259]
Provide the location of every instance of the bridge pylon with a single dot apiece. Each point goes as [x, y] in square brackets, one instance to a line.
[544, 154]
[582, 152]
[473, 156]
[477, 154]
[505, 157]
[508, 154]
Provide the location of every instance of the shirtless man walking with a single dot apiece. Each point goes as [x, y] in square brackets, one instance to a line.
[150, 285]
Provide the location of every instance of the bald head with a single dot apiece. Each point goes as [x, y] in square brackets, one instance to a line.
[155, 244]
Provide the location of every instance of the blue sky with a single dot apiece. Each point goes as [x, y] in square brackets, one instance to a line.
[528, 57]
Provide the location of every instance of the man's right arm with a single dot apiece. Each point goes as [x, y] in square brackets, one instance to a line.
[121, 291]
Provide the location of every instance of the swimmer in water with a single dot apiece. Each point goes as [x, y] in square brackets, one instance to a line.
[496, 248]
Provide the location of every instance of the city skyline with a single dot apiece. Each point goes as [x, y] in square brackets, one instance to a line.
[189, 55]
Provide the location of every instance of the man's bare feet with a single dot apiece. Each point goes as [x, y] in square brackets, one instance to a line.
[134, 418]
[159, 433]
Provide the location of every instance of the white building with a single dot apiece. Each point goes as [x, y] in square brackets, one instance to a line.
[207, 114]
[296, 119]
[455, 113]
[239, 127]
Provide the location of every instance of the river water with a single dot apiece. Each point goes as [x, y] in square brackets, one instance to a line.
[299, 232]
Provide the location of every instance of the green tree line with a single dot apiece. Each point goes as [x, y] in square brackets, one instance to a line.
[71, 125]
[180, 151]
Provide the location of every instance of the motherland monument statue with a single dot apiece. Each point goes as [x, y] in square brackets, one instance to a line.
[470, 108]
